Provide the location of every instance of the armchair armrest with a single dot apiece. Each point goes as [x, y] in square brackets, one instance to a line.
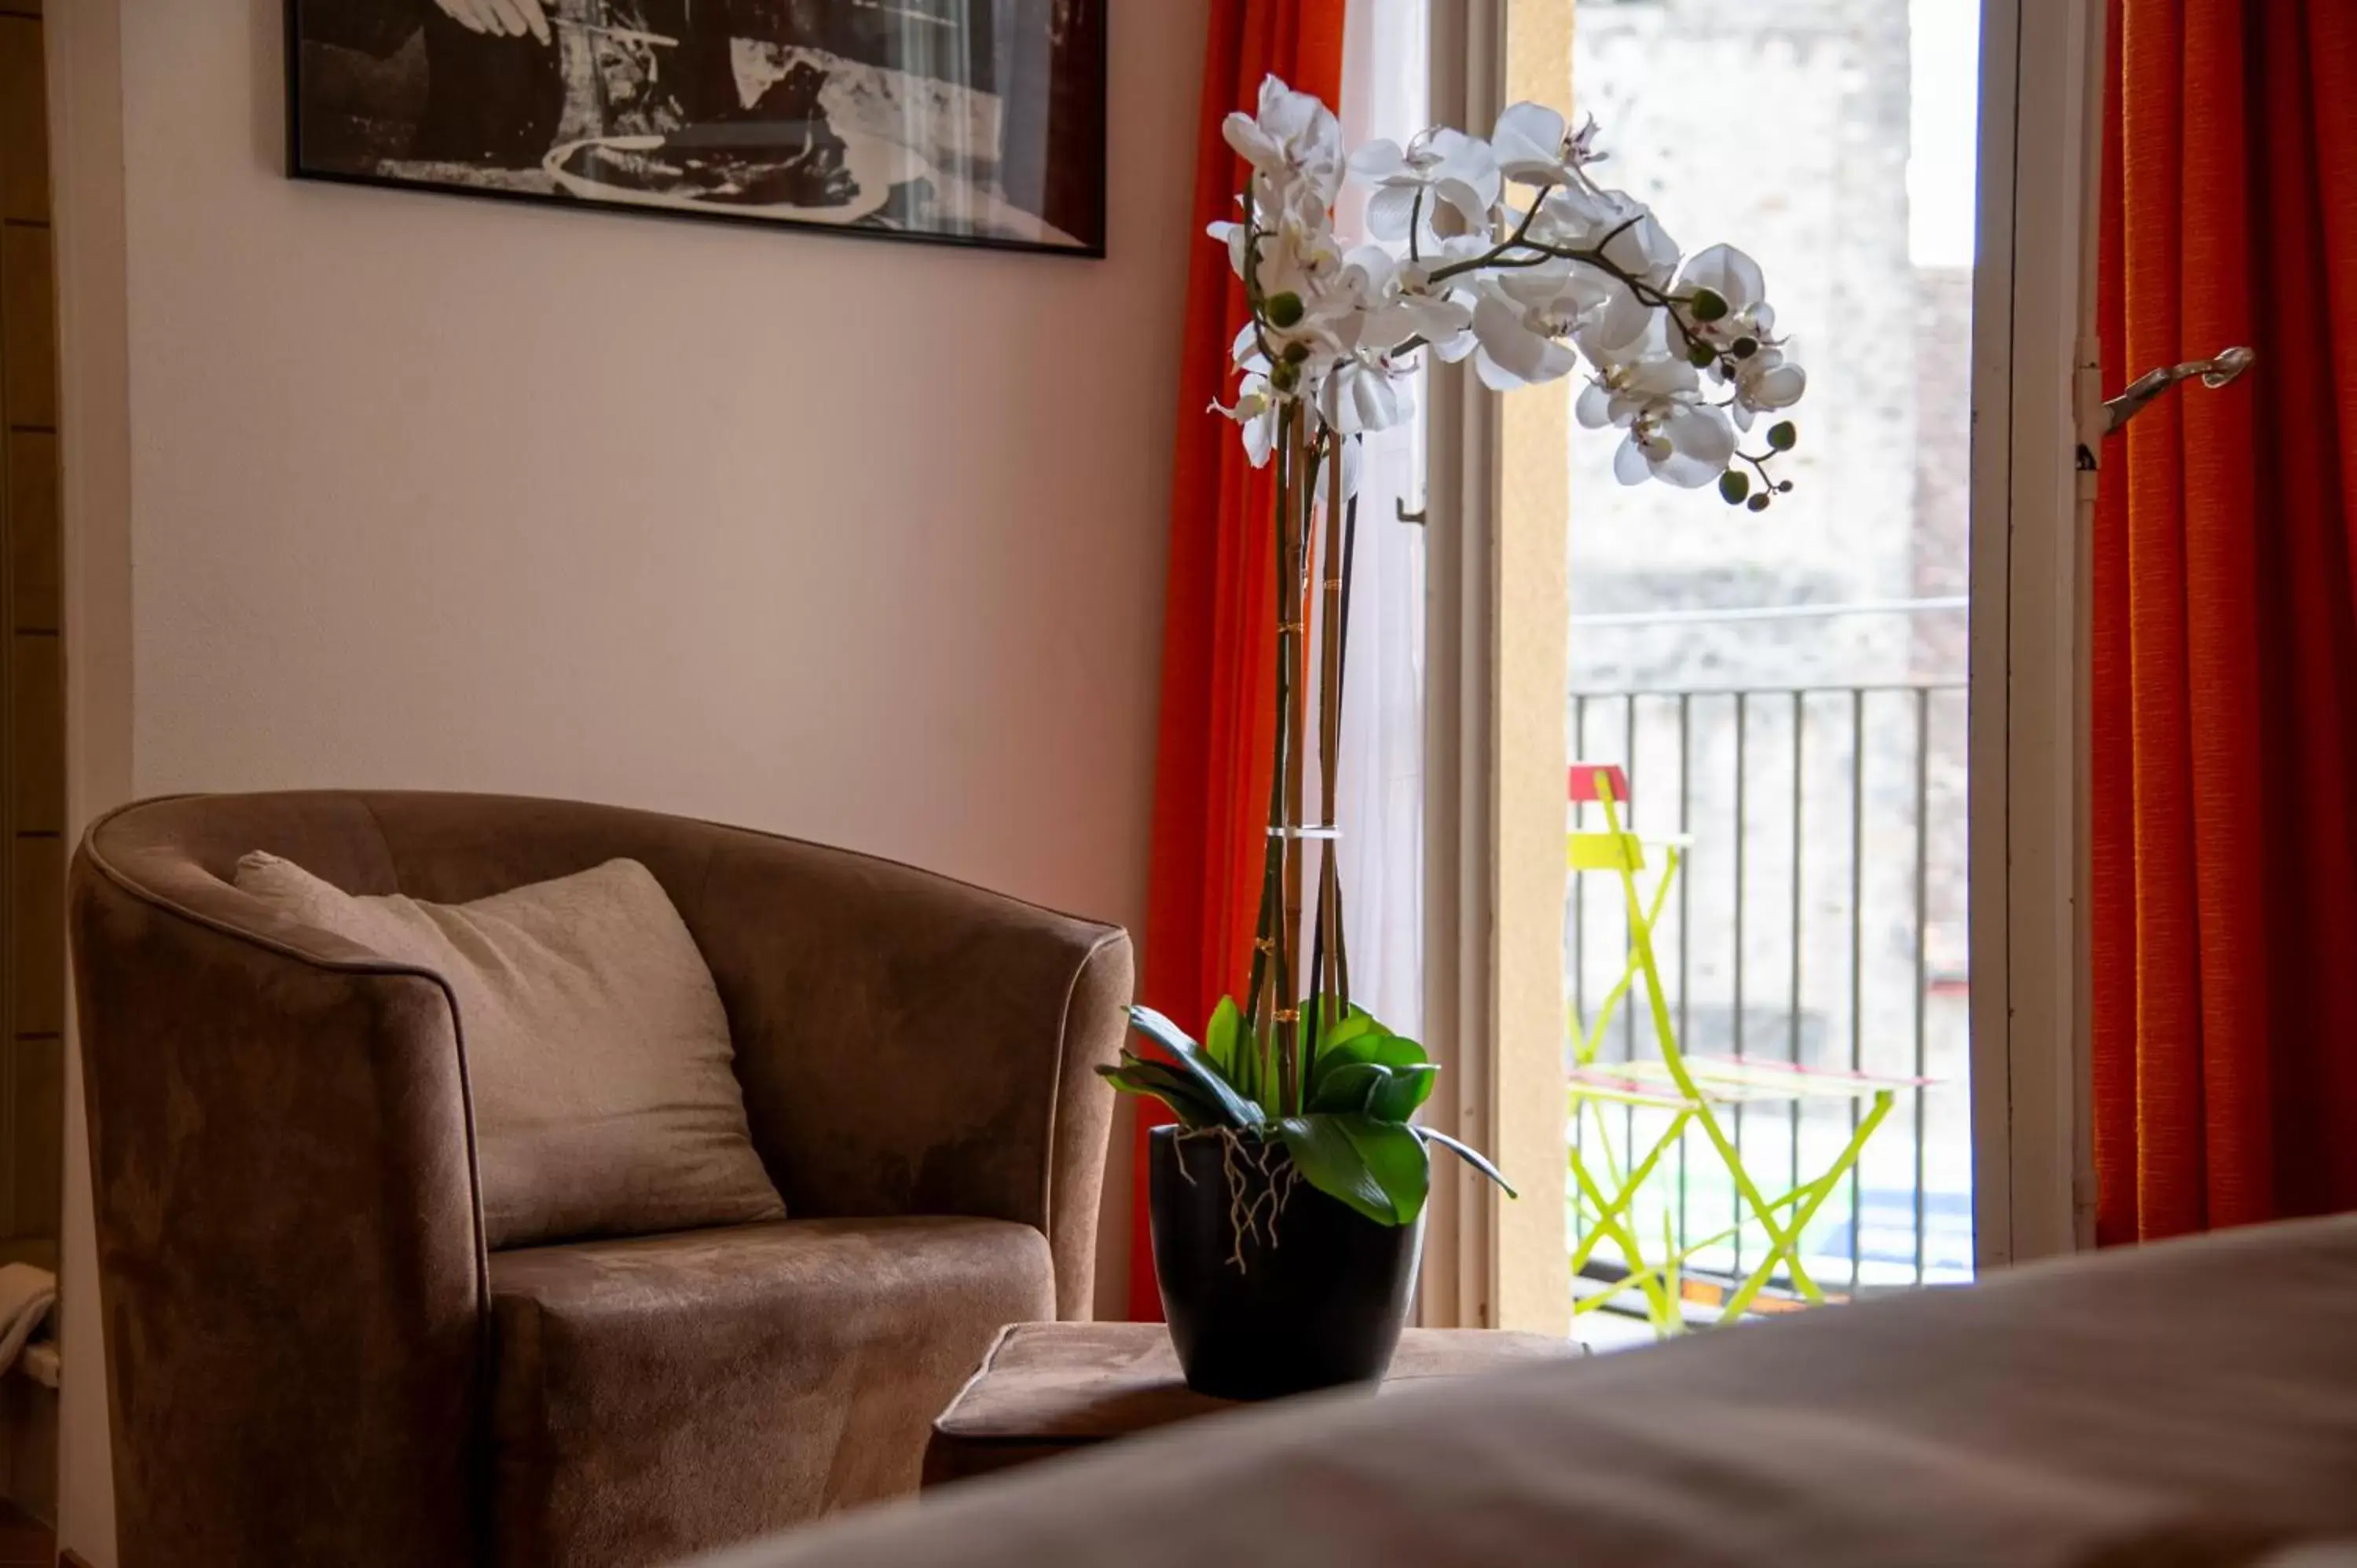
[290, 1261]
[912, 1045]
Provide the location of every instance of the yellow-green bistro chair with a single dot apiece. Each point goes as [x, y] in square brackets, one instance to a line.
[1693, 1091]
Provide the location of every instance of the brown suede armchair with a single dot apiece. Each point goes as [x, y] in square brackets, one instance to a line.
[311, 1358]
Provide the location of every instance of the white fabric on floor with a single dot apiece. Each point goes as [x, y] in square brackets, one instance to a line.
[26, 1295]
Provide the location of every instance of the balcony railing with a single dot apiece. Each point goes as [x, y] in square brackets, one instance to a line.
[1819, 919]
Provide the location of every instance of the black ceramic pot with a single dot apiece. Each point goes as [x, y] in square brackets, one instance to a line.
[1320, 1296]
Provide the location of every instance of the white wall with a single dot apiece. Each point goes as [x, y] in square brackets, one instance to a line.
[856, 541]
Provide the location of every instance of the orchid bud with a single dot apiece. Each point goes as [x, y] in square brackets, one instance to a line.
[1702, 355]
[1708, 304]
[1733, 486]
[1284, 311]
[1783, 436]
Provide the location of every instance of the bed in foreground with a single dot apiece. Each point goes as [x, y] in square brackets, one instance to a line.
[2191, 1403]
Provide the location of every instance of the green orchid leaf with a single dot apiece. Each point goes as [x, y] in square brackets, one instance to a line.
[1479, 1161]
[1220, 1036]
[1379, 1168]
[1350, 1026]
[1344, 1038]
[1378, 1046]
[1235, 1111]
[1398, 1159]
[1174, 1089]
[1402, 1092]
[1349, 1087]
[1328, 1161]
[1154, 1080]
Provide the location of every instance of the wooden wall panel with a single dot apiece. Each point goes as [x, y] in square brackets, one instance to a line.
[28, 378]
[24, 167]
[37, 913]
[32, 679]
[39, 1154]
[37, 733]
[32, 503]
[32, 738]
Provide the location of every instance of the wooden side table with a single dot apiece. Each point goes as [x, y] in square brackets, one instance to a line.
[1047, 1388]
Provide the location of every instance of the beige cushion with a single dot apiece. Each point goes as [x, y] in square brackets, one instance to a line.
[597, 1053]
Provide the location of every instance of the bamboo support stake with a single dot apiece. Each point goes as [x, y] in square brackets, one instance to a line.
[1294, 652]
[1259, 1012]
[1341, 687]
[1329, 700]
[1326, 948]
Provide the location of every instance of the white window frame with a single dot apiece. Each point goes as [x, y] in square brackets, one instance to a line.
[2041, 161]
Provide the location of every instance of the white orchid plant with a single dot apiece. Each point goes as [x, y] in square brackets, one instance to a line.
[1506, 253]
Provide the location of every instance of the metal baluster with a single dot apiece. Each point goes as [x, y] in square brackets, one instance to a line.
[1629, 1004]
[1685, 885]
[1793, 1021]
[1629, 1010]
[1577, 890]
[1578, 896]
[1742, 726]
[1857, 961]
[1923, 904]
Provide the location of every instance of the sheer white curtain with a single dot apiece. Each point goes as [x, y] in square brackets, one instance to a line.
[1380, 803]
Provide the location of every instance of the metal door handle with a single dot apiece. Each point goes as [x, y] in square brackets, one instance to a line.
[2140, 392]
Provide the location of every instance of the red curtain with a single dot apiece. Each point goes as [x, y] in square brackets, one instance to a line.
[2225, 623]
[1210, 787]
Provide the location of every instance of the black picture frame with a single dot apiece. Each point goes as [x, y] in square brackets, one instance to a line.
[339, 83]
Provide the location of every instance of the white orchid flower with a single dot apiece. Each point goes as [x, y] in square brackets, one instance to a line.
[1255, 411]
[1297, 250]
[1400, 303]
[1682, 444]
[1623, 394]
[1597, 311]
[1293, 140]
[1535, 146]
[1528, 307]
[1516, 346]
[1766, 382]
[1366, 392]
[1440, 168]
[1632, 239]
[1730, 274]
[1740, 285]
[1765, 376]
[1298, 256]
[1531, 141]
[1673, 435]
[1231, 235]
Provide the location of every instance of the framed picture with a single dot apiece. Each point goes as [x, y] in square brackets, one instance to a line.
[961, 121]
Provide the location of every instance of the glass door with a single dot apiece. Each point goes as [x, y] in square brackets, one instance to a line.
[1775, 702]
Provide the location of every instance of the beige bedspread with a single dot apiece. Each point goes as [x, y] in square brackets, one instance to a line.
[2193, 1404]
